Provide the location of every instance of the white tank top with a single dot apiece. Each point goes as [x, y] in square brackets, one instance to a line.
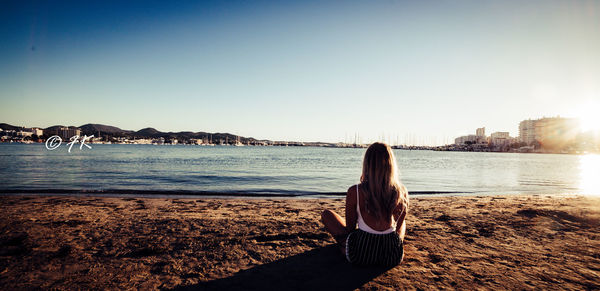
[363, 226]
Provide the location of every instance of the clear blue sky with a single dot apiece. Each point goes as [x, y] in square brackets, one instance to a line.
[310, 71]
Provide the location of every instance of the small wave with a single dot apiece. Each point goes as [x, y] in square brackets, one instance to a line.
[240, 193]
[234, 193]
[438, 192]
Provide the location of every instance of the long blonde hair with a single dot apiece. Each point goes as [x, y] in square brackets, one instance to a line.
[379, 182]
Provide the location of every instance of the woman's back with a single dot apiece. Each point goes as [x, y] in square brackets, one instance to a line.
[377, 245]
[371, 223]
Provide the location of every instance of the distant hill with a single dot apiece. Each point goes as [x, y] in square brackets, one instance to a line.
[149, 132]
[6, 126]
[90, 129]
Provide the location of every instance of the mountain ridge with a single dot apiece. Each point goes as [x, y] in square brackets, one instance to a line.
[148, 132]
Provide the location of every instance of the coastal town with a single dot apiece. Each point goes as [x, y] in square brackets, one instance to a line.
[544, 135]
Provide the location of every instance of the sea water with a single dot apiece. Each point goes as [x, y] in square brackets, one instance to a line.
[280, 171]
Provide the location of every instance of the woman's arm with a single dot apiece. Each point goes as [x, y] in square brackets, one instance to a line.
[401, 225]
[401, 230]
[402, 208]
[351, 215]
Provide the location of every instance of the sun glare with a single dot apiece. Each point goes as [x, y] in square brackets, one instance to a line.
[589, 167]
[589, 118]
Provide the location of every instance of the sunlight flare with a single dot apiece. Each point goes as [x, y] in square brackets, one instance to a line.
[589, 119]
[589, 167]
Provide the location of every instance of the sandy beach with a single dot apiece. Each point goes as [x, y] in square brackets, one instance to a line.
[499, 242]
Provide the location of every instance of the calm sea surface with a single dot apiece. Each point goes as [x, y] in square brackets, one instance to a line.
[149, 169]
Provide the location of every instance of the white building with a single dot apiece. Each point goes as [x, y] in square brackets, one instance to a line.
[551, 132]
[142, 141]
[68, 132]
[197, 141]
[159, 141]
[24, 133]
[480, 131]
[501, 138]
[37, 131]
[478, 138]
[467, 139]
[527, 131]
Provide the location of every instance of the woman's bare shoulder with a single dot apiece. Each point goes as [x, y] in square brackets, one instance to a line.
[352, 189]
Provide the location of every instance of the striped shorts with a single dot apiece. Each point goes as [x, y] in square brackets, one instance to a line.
[368, 249]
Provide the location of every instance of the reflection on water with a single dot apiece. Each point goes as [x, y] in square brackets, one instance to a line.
[589, 171]
[284, 170]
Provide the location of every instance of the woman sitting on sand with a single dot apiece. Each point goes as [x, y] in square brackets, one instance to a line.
[378, 204]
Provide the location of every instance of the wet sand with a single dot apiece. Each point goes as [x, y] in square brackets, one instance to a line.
[501, 242]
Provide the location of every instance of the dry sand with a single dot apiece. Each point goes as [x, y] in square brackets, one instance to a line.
[514, 242]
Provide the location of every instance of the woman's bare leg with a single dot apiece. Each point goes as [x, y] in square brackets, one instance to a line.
[336, 226]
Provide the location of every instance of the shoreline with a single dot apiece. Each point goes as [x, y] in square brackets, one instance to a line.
[179, 194]
[442, 148]
[514, 242]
